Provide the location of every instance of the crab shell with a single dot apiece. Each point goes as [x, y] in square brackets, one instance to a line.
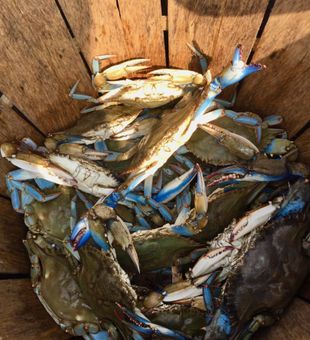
[57, 288]
[104, 283]
[207, 148]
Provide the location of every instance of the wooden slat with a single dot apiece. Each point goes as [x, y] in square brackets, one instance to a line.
[39, 63]
[284, 86]
[97, 27]
[12, 127]
[22, 315]
[293, 325]
[143, 30]
[217, 27]
[303, 144]
[13, 256]
[134, 29]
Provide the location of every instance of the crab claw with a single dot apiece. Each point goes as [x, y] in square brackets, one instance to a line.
[123, 237]
[211, 261]
[182, 77]
[85, 229]
[141, 324]
[80, 234]
[237, 70]
[124, 69]
[176, 186]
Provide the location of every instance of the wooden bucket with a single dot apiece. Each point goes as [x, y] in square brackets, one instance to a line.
[47, 45]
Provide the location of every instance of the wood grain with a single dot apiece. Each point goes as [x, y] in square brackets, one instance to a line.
[143, 29]
[12, 127]
[132, 29]
[215, 26]
[293, 325]
[39, 63]
[13, 256]
[303, 144]
[22, 315]
[283, 88]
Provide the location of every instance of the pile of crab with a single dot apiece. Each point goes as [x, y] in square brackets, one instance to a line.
[163, 213]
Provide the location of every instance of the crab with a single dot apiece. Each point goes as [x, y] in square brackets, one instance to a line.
[183, 120]
[275, 246]
[161, 86]
[47, 169]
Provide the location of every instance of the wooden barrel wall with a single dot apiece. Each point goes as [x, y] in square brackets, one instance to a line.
[46, 45]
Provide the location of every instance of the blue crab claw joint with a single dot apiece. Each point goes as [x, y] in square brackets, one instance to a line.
[236, 71]
[211, 261]
[273, 120]
[143, 325]
[176, 186]
[80, 234]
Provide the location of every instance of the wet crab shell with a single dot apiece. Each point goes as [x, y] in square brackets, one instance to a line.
[104, 283]
[57, 289]
[206, 147]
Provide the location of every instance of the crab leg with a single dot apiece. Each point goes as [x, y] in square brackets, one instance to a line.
[176, 186]
[124, 69]
[82, 151]
[202, 59]
[184, 161]
[201, 199]
[207, 295]
[182, 294]
[211, 261]
[252, 220]
[234, 174]
[138, 213]
[178, 77]
[96, 61]
[43, 184]
[79, 96]
[143, 325]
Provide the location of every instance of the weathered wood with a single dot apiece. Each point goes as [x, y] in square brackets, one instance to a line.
[143, 30]
[12, 127]
[284, 86]
[39, 63]
[293, 325]
[303, 144]
[127, 29]
[97, 27]
[216, 26]
[13, 256]
[22, 315]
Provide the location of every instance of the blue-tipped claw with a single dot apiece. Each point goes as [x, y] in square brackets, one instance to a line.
[176, 186]
[145, 326]
[80, 234]
[236, 71]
